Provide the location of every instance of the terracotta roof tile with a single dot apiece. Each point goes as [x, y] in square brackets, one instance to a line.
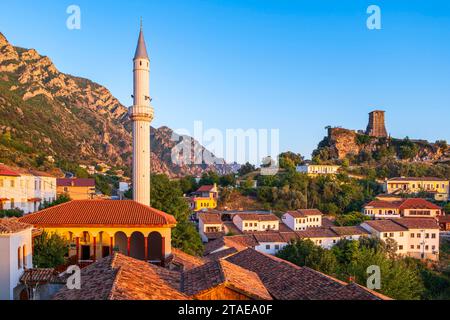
[302, 213]
[317, 233]
[286, 281]
[350, 231]
[416, 179]
[99, 213]
[210, 218]
[13, 225]
[6, 171]
[385, 226]
[119, 277]
[417, 223]
[268, 237]
[205, 188]
[418, 203]
[239, 242]
[216, 273]
[42, 276]
[187, 261]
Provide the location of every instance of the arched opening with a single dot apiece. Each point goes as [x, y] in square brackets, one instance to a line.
[106, 244]
[155, 252]
[86, 248]
[121, 242]
[137, 246]
[24, 295]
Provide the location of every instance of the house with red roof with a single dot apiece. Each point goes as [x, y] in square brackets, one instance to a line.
[76, 188]
[411, 207]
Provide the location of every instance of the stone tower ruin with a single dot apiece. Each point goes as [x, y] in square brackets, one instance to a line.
[376, 126]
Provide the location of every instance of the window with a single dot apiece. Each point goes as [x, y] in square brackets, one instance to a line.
[13, 205]
[412, 247]
[391, 234]
[24, 255]
[433, 236]
[19, 258]
[277, 247]
[427, 235]
[433, 248]
[418, 235]
[1, 183]
[426, 248]
[385, 235]
[400, 247]
[401, 234]
[267, 246]
[12, 183]
[412, 235]
[418, 247]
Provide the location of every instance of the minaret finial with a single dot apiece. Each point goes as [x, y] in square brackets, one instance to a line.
[141, 22]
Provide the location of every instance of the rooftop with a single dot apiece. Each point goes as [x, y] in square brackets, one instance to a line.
[386, 226]
[216, 273]
[303, 213]
[119, 277]
[418, 223]
[75, 182]
[410, 203]
[258, 217]
[286, 281]
[95, 213]
[210, 218]
[403, 179]
[12, 225]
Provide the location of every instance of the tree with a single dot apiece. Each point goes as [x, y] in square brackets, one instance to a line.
[49, 250]
[11, 213]
[209, 178]
[61, 199]
[188, 184]
[167, 196]
[351, 219]
[447, 208]
[246, 169]
[227, 180]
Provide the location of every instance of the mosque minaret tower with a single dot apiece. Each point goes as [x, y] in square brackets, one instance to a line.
[141, 114]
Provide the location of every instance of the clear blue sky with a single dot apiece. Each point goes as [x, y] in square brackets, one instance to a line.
[294, 65]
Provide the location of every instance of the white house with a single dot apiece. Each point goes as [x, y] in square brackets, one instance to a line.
[256, 222]
[270, 243]
[415, 237]
[302, 219]
[25, 189]
[15, 256]
[323, 237]
[437, 186]
[210, 226]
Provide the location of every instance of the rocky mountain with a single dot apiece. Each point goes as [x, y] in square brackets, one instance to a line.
[46, 114]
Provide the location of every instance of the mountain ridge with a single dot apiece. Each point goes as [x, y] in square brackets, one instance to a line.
[47, 113]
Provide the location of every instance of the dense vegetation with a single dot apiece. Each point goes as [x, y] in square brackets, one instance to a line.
[49, 250]
[401, 278]
[167, 196]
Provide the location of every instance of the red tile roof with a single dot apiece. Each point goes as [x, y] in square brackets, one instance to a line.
[75, 182]
[186, 261]
[302, 213]
[119, 277]
[6, 171]
[12, 225]
[216, 273]
[418, 223]
[411, 203]
[317, 233]
[239, 242]
[205, 189]
[268, 237]
[418, 203]
[94, 213]
[350, 231]
[386, 226]
[286, 281]
[210, 218]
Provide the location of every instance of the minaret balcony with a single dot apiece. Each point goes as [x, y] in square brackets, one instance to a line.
[144, 113]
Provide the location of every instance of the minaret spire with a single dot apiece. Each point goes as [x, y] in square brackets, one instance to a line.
[141, 114]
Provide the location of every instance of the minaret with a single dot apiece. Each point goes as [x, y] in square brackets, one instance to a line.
[141, 114]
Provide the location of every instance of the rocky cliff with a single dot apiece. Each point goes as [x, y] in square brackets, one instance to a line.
[343, 143]
[44, 112]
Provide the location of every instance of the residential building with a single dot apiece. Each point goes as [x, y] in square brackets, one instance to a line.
[415, 237]
[15, 256]
[270, 243]
[210, 226]
[323, 237]
[25, 189]
[318, 169]
[303, 219]
[96, 228]
[412, 207]
[204, 198]
[256, 222]
[411, 185]
[76, 188]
